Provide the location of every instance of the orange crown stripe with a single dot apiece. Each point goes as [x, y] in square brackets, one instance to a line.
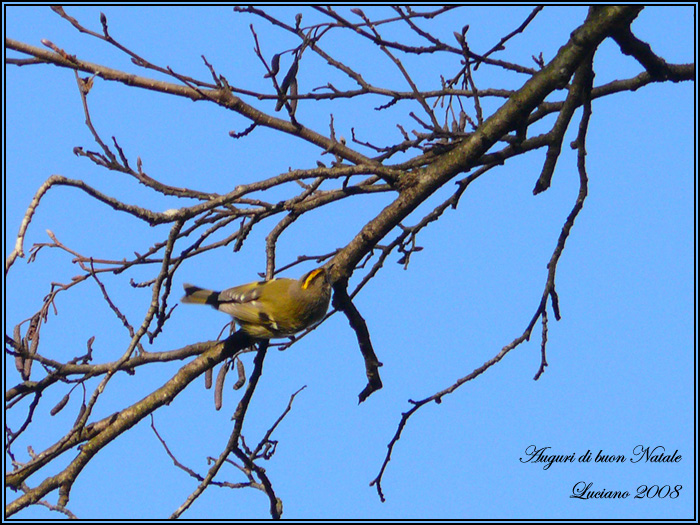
[312, 275]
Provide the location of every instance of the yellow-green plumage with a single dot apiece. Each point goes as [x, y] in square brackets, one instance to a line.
[269, 309]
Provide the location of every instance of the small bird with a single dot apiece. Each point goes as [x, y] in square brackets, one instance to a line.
[269, 309]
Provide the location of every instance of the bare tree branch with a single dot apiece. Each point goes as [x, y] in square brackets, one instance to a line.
[446, 134]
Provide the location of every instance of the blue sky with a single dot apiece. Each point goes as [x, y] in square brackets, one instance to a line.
[622, 363]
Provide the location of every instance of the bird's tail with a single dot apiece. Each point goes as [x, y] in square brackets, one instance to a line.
[197, 295]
